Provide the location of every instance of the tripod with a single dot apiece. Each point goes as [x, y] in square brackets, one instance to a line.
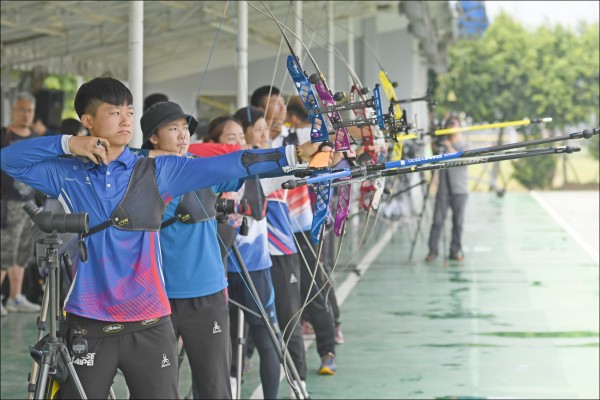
[421, 215]
[54, 350]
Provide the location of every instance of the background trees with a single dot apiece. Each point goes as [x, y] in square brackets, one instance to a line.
[511, 73]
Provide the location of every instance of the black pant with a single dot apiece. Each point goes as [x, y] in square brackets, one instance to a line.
[286, 281]
[318, 311]
[147, 358]
[203, 324]
[269, 360]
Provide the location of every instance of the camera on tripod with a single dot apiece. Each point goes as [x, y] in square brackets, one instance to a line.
[52, 361]
[50, 222]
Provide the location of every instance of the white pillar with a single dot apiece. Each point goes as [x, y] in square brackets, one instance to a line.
[351, 57]
[298, 29]
[6, 101]
[136, 66]
[330, 37]
[242, 92]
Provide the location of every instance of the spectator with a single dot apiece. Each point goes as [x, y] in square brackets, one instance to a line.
[17, 245]
[452, 193]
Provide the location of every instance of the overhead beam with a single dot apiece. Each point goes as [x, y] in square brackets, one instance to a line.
[136, 66]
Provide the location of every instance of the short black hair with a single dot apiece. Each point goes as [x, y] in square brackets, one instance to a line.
[154, 98]
[248, 116]
[296, 107]
[101, 90]
[258, 96]
[70, 126]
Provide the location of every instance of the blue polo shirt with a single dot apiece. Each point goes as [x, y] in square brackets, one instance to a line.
[123, 279]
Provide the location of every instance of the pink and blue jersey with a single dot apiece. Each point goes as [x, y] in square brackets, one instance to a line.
[123, 279]
[281, 237]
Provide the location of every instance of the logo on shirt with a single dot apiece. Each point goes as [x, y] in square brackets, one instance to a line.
[87, 360]
[149, 321]
[79, 332]
[113, 328]
[293, 279]
[122, 222]
[216, 328]
[87, 180]
[165, 361]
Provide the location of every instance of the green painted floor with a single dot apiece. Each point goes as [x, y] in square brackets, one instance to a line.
[519, 318]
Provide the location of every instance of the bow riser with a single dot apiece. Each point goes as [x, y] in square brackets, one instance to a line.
[342, 143]
[318, 133]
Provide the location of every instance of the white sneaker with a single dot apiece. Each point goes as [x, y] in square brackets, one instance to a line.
[21, 304]
[233, 383]
[3, 311]
[293, 395]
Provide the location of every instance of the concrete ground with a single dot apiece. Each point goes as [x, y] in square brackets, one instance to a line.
[519, 318]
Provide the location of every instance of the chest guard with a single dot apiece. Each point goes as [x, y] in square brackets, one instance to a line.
[141, 209]
[194, 207]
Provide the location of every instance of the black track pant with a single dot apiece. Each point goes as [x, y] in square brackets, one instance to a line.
[147, 358]
[269, 361]
[318, 310]
[286, 281]
[203, 324]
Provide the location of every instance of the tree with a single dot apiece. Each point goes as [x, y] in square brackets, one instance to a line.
[511, 73]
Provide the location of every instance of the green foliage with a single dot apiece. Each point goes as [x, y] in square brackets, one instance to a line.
[68, 84]
[511, 73]
[594, 147]
[535, 172]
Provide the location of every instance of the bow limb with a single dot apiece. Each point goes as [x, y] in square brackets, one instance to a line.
[319, 131]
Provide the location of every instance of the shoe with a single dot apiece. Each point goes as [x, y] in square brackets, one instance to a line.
[3, 311]
[233, 384]
[247, 365]
[457, 256]
[328, 366]
[339, 337]
[303, 385]
[21, 304]
[308, 331]
[430, 257]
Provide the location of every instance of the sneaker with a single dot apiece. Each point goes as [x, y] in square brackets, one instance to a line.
[21, 304]
[339, 337]
[456, 256]
[328, 366]
[233, 384]
[247, 365]
[430, 257]
[303, 385]
[308, 331]
[3, 311]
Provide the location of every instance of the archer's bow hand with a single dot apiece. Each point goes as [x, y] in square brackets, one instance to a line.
[308, 150]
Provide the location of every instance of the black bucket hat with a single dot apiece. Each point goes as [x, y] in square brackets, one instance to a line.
[161, 113]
